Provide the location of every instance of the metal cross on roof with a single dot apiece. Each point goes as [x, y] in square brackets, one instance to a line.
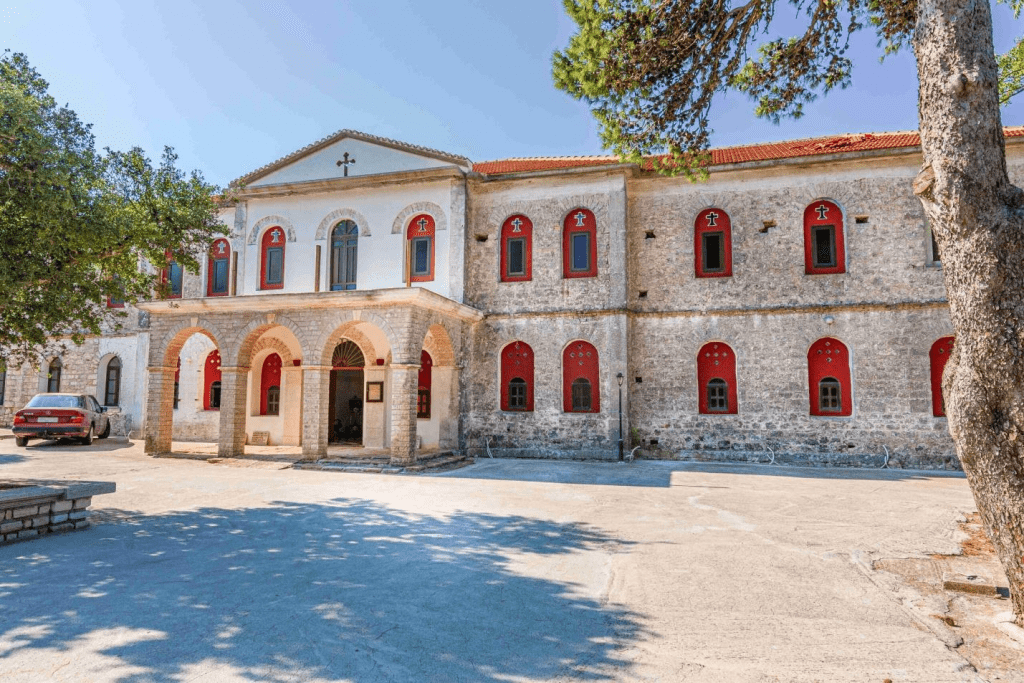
[712, 217]
[345, 162]
[822, 212]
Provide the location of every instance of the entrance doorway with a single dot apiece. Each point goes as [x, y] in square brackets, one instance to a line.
[345, 414]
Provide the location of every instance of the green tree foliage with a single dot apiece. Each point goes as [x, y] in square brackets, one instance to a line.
[76, 225]
[1011, 72]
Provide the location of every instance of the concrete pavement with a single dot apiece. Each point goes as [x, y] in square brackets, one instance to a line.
[501, 571]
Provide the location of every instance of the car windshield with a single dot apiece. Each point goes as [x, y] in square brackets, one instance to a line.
[56, 402]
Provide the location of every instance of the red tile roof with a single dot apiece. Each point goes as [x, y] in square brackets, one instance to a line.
[769, 151]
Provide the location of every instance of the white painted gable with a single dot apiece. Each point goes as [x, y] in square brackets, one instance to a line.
[370, 159]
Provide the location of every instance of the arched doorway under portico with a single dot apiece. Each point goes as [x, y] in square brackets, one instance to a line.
[345, 395]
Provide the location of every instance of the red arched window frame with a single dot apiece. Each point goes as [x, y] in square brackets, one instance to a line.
[517, 249]
[517, 363]
[717, 360]
[578, 229]
[420, 238]
[712, 244]
[423, 393]
[272, 254]
[829, 358]
[270, 376]
[939, 355]
[818, 217]
[211, 374]
[580, 361]
[217, 270]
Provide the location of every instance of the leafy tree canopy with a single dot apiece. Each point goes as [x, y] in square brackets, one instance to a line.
[76, 225]
[650, 69]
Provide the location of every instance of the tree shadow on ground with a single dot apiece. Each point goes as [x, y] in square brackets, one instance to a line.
[665, 473]
[345, 590]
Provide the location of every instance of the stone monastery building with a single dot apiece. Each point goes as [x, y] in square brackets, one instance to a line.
[379, 294]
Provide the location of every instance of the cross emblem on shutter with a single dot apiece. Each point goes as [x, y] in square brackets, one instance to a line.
[275, 236]
[579, 219]
[423, 224]
[822, 212]
[345, 162]
[712, 217]
[516, 225]
[220, 248]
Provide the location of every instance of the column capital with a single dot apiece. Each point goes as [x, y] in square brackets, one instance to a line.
[316, 368]
[235, 369]
[161, 368]
[405, 366]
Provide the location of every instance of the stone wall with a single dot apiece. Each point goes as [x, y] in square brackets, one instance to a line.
[31, 509]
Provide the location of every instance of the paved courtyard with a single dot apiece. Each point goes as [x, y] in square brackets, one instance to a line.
[501, 571]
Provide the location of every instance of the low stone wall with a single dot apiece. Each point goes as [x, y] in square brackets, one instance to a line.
[29, 509]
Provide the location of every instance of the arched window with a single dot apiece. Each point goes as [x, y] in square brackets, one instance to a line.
[712, 244]
[716, 377]
[516, 249]
[272, 261]
[420, 235]
[580, 362]
[344, 253]
[579, 244]
[423, 393]
[270, 385]
[517, 377]
[53, 376]
[211, 381]
[112, 383]
[824, 242]
[939, 355]
[217, 270]
[172, 277]
[828, 372]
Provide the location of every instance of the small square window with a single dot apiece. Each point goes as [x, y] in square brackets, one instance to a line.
[824, 246]
[517, 394]
[718, 396]
[829, 396]
[174, 274]
[220, 276]
[274, 400]
[936, 258]
[423, 404]
[516, 254]
[581, 398]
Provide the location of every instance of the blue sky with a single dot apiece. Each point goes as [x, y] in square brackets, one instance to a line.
[235, 85]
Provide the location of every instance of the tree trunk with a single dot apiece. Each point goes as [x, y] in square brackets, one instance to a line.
[978, 220]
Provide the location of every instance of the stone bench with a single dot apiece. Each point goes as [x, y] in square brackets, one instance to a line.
[29, 509]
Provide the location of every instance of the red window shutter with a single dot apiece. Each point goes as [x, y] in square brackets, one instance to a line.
[426, 363]
[579, 221]
[269, 377]
[709, 222]
[517, 361]
[939, 356]
[421, 226]
[580, 361]
[822, 213]
[517, 227]
[829, 357]
[211, 374]
[274, 238]
[716, 360]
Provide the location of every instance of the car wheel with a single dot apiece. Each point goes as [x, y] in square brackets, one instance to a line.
[87, 439]
[106, 431]
[21, 441]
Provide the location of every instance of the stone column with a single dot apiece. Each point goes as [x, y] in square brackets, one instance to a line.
[404, 385]
[316, 385]
[291, 405]
[231, 442]
[159, 410]
[446, 397]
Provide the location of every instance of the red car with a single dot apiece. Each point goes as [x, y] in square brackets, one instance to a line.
[61, 416]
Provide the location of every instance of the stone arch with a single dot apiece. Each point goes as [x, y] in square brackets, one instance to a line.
[323, 347]
[252, 333]
[438, 343]
[269, 221]
[350, 330]
[435, 211]
[836, 193]
[335, 217]
[596, 203]
[274, 345]
[165, 354]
